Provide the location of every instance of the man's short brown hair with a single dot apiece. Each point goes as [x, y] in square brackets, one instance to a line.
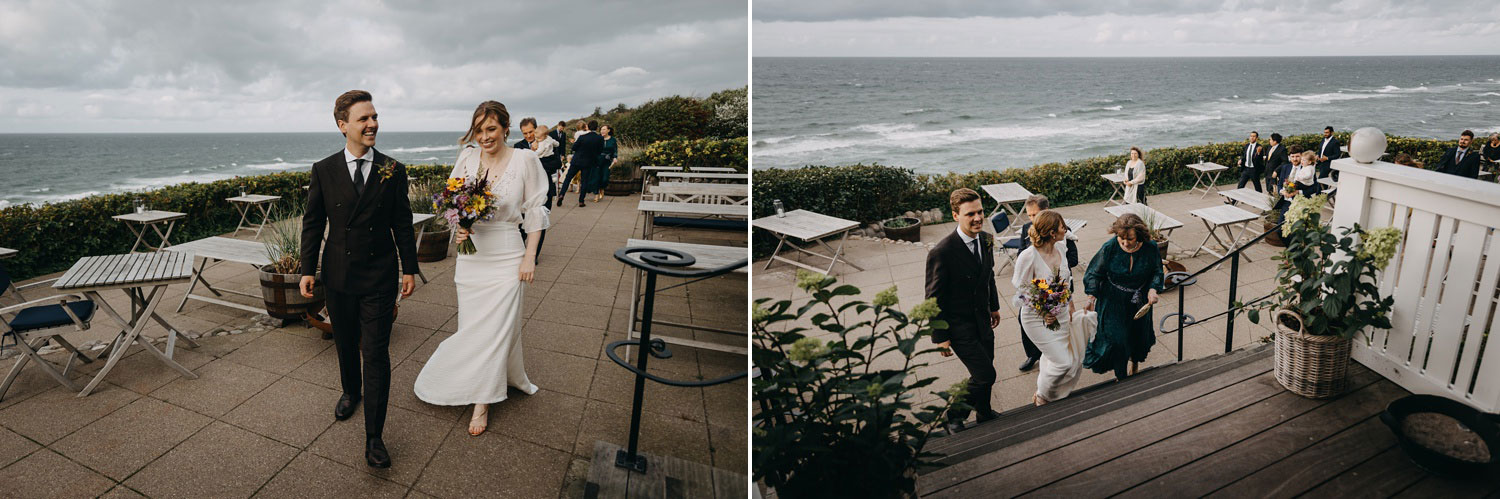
[1040, 201]
[961, 196]
[528, 121]
[342, 104]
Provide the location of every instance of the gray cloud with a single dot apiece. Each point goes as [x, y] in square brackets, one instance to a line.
[831, 10]
[99, 65]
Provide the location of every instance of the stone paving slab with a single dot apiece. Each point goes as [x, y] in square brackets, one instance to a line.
[258, 421]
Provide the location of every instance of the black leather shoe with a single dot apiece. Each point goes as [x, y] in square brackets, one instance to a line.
[344, 408]
[986, 416]
[954, 427]
[1029, 363]
[375, 453]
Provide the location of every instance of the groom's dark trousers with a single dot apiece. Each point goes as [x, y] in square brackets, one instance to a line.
[369, 230]
[964, 285]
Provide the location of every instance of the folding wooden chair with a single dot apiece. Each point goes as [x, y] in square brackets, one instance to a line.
[37, 321]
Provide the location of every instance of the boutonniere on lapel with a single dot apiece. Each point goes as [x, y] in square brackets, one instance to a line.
[986, 239]
[386, 170]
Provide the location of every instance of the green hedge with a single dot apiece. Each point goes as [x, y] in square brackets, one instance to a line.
[698, 153]
[52, 236]
[666, 118]
[870, 193]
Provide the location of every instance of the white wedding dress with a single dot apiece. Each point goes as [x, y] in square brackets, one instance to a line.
[1062, 349]
[477, 363]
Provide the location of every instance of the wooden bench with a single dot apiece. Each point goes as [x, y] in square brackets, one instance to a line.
[704, 215]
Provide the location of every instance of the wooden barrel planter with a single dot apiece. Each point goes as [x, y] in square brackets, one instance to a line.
[1310, 365]
[621, 187]
[434, 247]
[283, 297]
[1274, 238]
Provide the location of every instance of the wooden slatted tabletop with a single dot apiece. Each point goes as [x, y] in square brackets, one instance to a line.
[1163, 222]
[1252, 197]
[227, 249]
[713, 176]
[1224, 215]
[696, 188]
[150, 216]
[718, 210]
[127, 270]
[805, 225]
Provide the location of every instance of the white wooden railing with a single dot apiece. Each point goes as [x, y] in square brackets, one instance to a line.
[1443, 277]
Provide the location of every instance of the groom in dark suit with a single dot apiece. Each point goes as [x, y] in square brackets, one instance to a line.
[961, 276]
[359, 195]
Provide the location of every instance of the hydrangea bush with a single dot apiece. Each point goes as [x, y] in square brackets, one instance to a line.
[835, 417]
[1327, 279]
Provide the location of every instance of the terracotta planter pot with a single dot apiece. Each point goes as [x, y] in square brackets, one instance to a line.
[912, 232]
[284, 299]
[434, 247]
[1310, 365]
[1273, 239]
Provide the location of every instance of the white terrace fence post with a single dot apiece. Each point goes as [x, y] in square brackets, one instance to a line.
[1443, 277]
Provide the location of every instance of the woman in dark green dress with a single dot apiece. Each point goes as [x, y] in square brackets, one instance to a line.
[1124, 275]
[606, 160]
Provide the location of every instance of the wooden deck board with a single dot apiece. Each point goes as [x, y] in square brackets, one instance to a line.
[1314, 465]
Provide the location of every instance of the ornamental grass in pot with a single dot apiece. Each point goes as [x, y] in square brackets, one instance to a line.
[1326, 294]
[279, 280]
[435, 233]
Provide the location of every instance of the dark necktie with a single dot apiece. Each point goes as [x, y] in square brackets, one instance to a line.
[975, 245]
[1460, 156]
[359, 176]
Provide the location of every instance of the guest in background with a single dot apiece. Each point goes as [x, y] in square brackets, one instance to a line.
[1462, 160]
[1405, 159]
[1036, 204]
[586, 148]
[1283, 173]
[1328, 151]
[1135, 177]
[540, 142]
[1276, 156]
[1304, 174]
[1491, 154]
[559, 133]
[1124, 276]
[606, 160]
[1252, 163]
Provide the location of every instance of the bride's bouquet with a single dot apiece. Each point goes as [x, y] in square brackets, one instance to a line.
[463, 202]
[1048, 297]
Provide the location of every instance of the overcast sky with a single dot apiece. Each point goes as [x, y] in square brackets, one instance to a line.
[255, 66]
[1124, 28]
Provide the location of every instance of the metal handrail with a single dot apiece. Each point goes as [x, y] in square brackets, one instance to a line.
[1180, 279]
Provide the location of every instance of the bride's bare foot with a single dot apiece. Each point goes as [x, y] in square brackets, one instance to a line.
[1037, 399]
[480, 420]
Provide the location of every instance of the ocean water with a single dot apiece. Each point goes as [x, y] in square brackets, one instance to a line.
[967, 114]
[40, 168]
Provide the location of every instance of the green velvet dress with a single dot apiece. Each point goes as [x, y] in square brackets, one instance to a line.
[1121, 338]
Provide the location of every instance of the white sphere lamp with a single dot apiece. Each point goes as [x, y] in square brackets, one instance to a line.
[1367, 145]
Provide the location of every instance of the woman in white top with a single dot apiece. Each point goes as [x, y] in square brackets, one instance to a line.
[1135, 175]
[483, 358]
[1061, 354]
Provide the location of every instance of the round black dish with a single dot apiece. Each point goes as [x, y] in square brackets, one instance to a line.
[1433, 462]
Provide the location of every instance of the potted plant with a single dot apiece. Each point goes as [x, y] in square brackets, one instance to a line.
[280, 280]
[435, 233]
[1327, 293]
[1159, 237]
[903, 229]
[1268, 223]
[835, 419]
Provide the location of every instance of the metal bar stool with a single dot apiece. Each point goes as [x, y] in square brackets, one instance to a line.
[656, 261]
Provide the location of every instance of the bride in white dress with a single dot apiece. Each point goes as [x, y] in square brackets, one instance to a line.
[477, 363]
[1062, 349]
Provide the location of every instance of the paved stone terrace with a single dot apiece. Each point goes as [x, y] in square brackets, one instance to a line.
[258, 422]
[904, 265]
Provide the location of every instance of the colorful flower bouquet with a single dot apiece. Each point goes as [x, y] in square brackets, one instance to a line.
[463, 202]
[1048, 297]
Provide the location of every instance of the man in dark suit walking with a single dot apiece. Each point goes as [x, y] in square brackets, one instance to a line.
[1462, 160]
[1327, 152]
[1035, 204]
[961, 276]
[586, 150]
[1275, 158]
[359, 195]
[1252, 163]
[551, 163]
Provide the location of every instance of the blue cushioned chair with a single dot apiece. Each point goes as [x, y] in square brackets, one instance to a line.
[33, 323]
[1007, 246]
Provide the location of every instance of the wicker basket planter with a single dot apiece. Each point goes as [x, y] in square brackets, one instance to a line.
[1310, 365]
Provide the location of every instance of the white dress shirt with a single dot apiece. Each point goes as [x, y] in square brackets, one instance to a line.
[369, 158]
[968, 242]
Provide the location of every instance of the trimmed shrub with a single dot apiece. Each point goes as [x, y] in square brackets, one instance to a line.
[870, 193]
[53, 236]
[666, 118]
[698, 153]
[730, 113]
